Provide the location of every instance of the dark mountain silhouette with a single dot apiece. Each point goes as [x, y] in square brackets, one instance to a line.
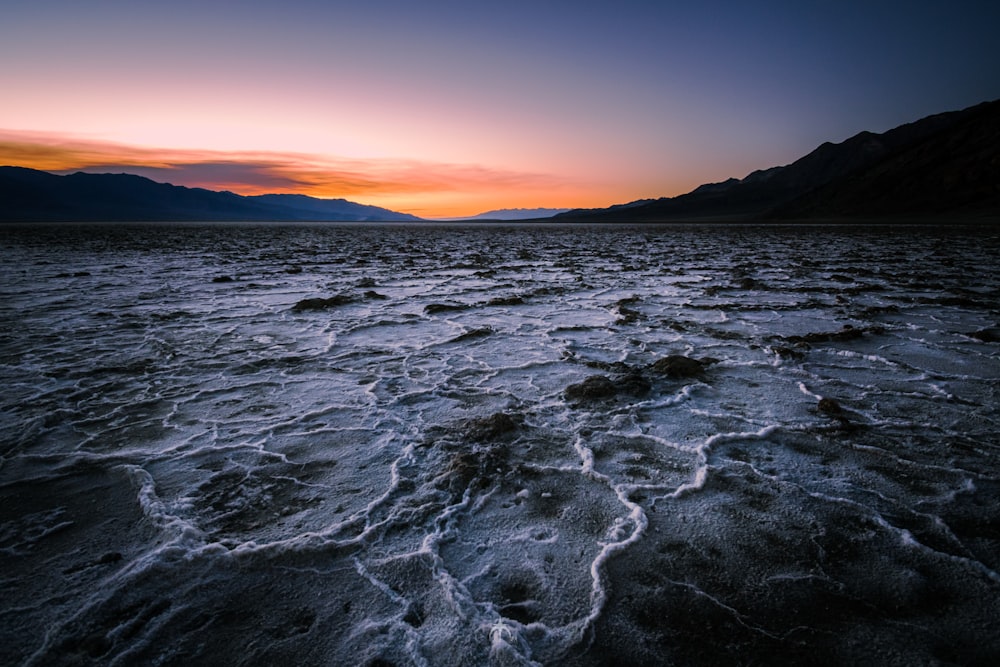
[28, 195]
[943, 165]
[322, 209]
[955, 172]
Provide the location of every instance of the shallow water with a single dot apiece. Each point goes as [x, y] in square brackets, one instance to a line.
[196, 471]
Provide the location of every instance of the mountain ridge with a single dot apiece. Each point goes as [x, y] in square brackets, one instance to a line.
[837, 181]
[517, 214]
[31, 195]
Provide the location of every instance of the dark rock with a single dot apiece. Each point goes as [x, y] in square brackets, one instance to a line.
[506, 301]
[596, 386]
[319, 303]
[679, 366]
[841, 416]
[432, 308]
[460, 471]
[845, 334]
[476, 468]
[633, 383]
[222, 279]
[988, 335]
[829, 406]
[630, 381]
[627, 315]
[619, 367]
[375, 296]
[787, 352]
[491, 427]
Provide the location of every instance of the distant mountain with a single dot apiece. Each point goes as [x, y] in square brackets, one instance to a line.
[943, 165]
[28, 195]
[313, 208]
[518, 214]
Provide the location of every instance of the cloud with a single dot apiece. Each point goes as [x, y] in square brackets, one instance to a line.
[264, 172]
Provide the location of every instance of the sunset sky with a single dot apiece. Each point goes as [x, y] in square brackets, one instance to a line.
[441, 108]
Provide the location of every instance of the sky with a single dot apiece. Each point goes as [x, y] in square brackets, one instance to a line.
[445, 109]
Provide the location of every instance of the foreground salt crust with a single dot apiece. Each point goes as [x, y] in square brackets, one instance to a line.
[498, 445]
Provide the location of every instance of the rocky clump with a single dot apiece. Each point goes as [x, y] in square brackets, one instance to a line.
[601, 386]
[627, 315]
[829, 406]
[432, 308]
[472, 334]
[506, 301]
[595, 386]
[482, 429]
[678, 366]
[634, 382]
[835, 411]
[748, 283]
[787, 352]
[479, 468]
[988, 335]
[319, 303]
[848, 332]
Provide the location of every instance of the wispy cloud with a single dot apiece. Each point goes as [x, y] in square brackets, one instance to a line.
[266, 172]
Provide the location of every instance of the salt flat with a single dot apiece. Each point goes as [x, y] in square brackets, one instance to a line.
[384, 444]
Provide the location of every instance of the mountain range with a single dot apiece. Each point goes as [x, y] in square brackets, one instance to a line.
[28, 195]
[942, 166]
[946, 165]
[518, 214]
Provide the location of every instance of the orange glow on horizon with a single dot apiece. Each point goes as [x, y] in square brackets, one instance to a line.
[423, 188]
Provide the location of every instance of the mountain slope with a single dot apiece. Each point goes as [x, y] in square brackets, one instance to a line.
[882, 170]
[956, 172]
[28, 195]
[518, 214]
[312, 208]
